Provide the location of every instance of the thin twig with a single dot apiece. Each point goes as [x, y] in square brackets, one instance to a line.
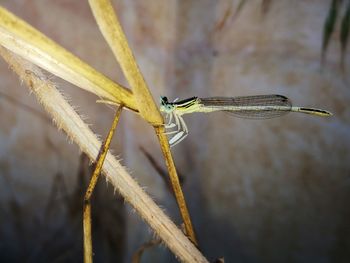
[174, 179]
[93, 181]
[136, 257]
[162, 172]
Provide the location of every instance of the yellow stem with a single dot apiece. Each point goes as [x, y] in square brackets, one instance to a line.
[95, 175]
[174, 179]
[115, 37]
[87, 233]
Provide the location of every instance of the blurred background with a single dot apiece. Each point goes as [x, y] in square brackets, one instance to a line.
[274, 190]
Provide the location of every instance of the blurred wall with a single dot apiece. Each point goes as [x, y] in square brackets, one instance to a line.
[258, 191]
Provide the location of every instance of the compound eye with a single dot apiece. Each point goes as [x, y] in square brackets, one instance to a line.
[163, 100]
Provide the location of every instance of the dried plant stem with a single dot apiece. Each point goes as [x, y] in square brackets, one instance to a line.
[112, 31]
[114, 35]
[95, 175]
[87, 233]
[24, 40]
[174, 179]
[67, 119]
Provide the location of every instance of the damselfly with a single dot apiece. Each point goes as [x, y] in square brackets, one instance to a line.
[252, 107]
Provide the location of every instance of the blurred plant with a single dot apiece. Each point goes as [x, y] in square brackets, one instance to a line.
[60, 235]
[329, 25]
[26, 108]
[136, 257]
[240, 6]
[344, 34]
[335, 11]
[265, 6]
[232, 13]
[162, 172]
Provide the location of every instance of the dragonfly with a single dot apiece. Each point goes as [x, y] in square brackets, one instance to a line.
[250, 107]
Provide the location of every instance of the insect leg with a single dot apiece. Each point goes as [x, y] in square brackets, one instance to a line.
[169, 125]
[181, 135]
[176, 124]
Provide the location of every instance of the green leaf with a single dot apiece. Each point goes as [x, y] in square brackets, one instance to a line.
[344, 34]
[328, 27]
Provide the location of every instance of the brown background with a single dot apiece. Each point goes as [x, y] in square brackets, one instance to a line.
[258, 191]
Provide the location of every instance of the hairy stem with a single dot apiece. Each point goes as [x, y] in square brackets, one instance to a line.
[66, 118]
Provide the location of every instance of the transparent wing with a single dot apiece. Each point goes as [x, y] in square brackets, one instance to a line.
[252, 107]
